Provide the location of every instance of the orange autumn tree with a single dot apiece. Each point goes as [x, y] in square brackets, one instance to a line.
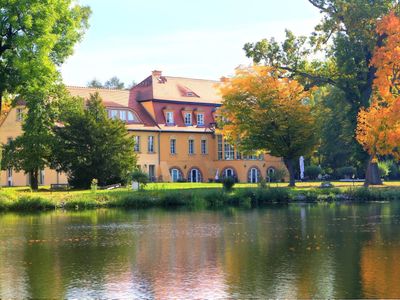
[378, 129]
[265, 112]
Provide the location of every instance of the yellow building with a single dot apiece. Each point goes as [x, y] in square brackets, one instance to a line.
[172, 120]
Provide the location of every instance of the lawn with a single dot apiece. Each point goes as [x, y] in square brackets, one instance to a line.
[189, 194]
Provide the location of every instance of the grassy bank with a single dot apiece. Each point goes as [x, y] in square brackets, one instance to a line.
[192, 195]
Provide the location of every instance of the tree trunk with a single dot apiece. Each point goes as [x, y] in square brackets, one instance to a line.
[1, 102]
[34, 178]
[372, 176]
[290, 166]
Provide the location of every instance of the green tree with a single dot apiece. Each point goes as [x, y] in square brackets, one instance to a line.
[31, 152]
[347, 37]
[114, 83]
[265, 112]
[36, 36]
[90, 145]
[95, 83]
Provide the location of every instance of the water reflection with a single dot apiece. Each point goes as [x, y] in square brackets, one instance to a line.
[312, 251]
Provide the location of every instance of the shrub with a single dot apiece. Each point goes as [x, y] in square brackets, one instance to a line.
[346, 172]
[278, 175]
[384, 169]
[312, 172]
[26, 203]
[140, 177]
[228, 183]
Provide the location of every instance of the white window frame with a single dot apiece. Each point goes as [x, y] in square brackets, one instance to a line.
[175, 174]
[200, 119]
[172, 146]
[169, 118]
[188, 119]
[150, 144]
[204, 146]
[191, 146]
[197, 177]
[220, 148]
[229, 151]
[136, 147]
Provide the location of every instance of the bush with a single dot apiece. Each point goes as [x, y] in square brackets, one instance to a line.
[346, 172]
[140, 177]
[384, 169]
[312, 172]
[26, 203]
[228, 183]
[278, 175]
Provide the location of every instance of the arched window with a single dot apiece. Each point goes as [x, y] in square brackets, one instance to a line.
[254, 175]
[195, 175]
[176, 175]
[270, 173]
[229, 172]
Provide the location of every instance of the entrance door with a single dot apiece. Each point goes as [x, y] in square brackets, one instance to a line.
[152, 173]
[195, 175]
[253, 175]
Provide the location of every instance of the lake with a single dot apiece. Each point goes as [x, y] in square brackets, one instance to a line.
[295, 251]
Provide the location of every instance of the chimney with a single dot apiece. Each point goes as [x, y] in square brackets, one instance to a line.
[156, 73]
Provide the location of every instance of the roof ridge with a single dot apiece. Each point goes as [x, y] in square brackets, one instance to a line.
[95, 88]
[201, 79]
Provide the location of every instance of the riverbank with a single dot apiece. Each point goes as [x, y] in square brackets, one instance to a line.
[248, 196]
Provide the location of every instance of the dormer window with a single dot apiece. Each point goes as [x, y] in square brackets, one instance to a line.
[124, 115]
[188, 119]
[169, 117]
[189, 94]
[200, 119]
[20, 114]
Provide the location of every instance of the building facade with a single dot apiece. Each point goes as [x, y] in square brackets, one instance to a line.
[172, 121]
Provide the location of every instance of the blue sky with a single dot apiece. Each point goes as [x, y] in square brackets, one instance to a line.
[200, 39]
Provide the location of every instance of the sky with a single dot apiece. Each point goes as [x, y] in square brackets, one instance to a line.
[192, 38]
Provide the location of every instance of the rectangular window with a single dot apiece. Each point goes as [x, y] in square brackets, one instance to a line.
[172, 146]
[203, 146]
[114, 114]
[169, 116]
[122, 115]
[152, 173]
[220, 149]
[188, 119]
[200, 119]
[191, 146]
[136, 147]
[238, 155]
[150, 144]
[20, 114]
[229, 151]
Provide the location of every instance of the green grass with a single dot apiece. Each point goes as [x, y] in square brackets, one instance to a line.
[199, 195]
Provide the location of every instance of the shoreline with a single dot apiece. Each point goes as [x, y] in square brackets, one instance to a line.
[206, 198]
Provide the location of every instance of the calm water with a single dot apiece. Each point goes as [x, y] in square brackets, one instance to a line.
[320, 251]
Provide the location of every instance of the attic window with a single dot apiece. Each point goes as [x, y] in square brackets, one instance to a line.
[189, 94]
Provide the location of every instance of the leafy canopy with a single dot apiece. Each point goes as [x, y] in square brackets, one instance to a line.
[378, 129]
[263, 111]
[36, 36]
[90, 145]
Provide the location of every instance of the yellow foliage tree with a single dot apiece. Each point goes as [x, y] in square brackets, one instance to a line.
[263, 111]
[378, 129]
